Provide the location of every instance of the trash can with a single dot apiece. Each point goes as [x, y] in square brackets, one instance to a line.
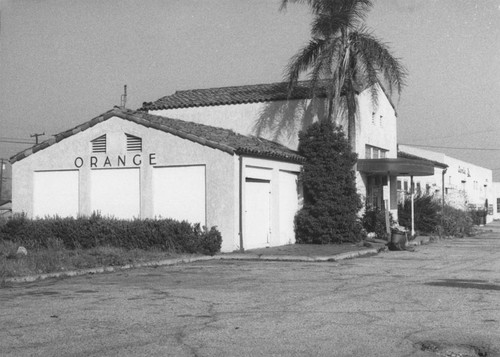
[399, 237]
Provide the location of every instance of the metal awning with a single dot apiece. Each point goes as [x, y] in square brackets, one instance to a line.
[396, 167]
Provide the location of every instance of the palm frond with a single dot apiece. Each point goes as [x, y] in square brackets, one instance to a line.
[357, 7]
[302, 61]
[381, 60]
[366, 71]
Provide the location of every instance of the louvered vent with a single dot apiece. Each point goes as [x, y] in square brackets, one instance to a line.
[134, 143]
[99, 144]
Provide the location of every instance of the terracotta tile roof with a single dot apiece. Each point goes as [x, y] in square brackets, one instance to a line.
[230, 95]
[254, 93]
[217, 138]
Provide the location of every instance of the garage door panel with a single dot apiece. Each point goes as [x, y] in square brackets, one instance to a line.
[55, 193]
[257, 213]
[179, 193]
[116, 192]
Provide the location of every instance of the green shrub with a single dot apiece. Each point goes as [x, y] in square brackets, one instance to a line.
[478, 216]
[456, 222]
[210, 241]
[331, 201]
[430, 217]
[426, 213]
[373, 220]
[96, 231]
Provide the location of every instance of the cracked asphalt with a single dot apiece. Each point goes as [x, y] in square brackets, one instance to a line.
[439, 299]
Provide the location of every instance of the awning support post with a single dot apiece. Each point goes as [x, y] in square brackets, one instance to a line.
[412, 207]
[388, 207]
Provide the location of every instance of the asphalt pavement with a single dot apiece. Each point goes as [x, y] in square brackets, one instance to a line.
[441, 299]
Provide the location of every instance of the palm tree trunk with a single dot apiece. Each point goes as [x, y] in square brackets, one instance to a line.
[351, 116]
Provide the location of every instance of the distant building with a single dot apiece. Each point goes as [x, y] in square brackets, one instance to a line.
[466, 186]
[5, 180]
[496, 208]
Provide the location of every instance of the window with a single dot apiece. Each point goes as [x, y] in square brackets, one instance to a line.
[99, 144]
[406, 186]
[368, 152]
[134, 143]
[399, 184]
[498, 205]
[372, 152]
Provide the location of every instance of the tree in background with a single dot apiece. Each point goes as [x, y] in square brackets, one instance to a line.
[343, 58]
[331, 202]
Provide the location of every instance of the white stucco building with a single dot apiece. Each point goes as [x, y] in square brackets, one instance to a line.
[130, 164]
[266, 110]
[466, 186]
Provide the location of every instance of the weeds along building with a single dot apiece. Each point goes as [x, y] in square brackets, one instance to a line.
[462, 184]
[130, 164]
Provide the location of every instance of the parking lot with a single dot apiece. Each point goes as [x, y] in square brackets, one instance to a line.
[442, 298]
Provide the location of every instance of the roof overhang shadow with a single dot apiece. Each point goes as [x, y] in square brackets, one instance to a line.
[396, 167]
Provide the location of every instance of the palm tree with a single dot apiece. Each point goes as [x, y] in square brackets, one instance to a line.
[343, 58]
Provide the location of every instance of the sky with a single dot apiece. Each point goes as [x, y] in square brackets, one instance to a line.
[63, 62]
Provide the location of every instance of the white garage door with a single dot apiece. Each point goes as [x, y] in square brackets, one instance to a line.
[116, 192]
[257, 213]
[289, 204]
[179, 193]
[55, 193]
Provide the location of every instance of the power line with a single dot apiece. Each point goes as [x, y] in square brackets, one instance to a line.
[452, 147]
[9, 141]
[11, 138]
[462, 134]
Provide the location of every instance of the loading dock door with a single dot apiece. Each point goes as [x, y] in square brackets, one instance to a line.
[179, 193]
[116, 192]
[257, 213]
[55, 193]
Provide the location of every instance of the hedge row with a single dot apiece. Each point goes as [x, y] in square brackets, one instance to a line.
[96, 231]
[430, 217]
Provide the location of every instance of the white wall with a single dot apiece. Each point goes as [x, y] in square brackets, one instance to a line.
[242, 118]
[377, 125]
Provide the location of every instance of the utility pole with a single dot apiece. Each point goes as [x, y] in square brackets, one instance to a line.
[36, 137]
[1, 178]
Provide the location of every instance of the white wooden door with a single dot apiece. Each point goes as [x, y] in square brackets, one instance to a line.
[179, 193]
[116, 192]
[257, 213]
[55, 193]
